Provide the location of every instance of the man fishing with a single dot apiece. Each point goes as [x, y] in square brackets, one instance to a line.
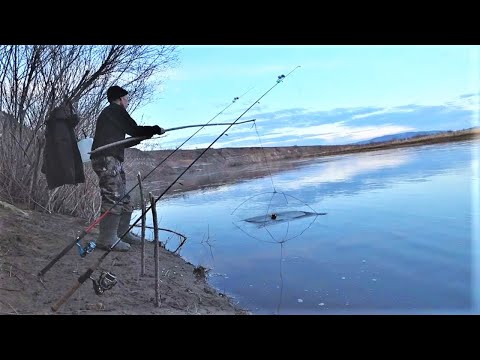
[113, 124]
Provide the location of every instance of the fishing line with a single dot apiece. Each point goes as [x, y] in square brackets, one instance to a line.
[271, 217]
[264, 156]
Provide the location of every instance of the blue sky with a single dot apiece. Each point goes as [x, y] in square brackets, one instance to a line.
[340, 94]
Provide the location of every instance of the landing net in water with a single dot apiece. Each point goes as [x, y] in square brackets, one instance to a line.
[280, 217]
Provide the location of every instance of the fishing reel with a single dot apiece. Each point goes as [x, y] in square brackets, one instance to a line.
[105, 282]
[83, 251]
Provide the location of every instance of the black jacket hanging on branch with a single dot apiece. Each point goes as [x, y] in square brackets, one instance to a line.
[62, 163]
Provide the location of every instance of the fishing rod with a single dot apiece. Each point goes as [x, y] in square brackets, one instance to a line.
[141, 138]
[87, 275]
[88, 248]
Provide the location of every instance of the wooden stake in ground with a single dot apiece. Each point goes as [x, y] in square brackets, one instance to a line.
[142, 201]
[156, 249]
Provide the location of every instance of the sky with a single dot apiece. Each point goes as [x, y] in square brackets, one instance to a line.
[338, 94]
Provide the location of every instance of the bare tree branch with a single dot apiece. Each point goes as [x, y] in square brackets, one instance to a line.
[34, 79]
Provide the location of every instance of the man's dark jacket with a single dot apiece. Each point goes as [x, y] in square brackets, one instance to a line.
[62, 163]
[113, 124]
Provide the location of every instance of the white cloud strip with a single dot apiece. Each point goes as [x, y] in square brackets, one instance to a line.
[336, 133]
[381, 112]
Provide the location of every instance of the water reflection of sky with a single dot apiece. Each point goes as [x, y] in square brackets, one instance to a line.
[344, 168]
[396, 239]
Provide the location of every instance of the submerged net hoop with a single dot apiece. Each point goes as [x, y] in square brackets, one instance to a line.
[279, 212]
[278, 217]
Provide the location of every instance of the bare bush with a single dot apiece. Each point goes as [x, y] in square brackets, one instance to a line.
[81, 200]
[35, 79]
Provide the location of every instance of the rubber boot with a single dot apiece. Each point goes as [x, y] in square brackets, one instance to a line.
[108, 234]
[123, 227]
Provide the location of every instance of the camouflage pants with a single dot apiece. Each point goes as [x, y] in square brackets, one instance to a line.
[112, 184]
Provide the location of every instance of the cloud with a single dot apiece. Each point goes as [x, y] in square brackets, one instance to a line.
[470, 102]
[468, 95]
[383, 111]
[300, 126]
[338, 132]
[302, 115]
[320, 135]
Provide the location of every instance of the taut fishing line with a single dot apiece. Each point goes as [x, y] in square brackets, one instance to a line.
[273, 212]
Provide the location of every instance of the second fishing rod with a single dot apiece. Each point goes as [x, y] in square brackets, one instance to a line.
[88, 273]
[91, 245]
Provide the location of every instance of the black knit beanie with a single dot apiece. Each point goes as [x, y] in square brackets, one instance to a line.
[115, 92]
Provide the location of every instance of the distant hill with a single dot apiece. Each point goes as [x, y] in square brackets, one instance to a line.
[400, 136]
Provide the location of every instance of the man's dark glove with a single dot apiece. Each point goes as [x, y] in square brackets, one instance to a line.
[158, 130]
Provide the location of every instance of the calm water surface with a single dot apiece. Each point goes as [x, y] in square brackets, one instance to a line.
[400, 235]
